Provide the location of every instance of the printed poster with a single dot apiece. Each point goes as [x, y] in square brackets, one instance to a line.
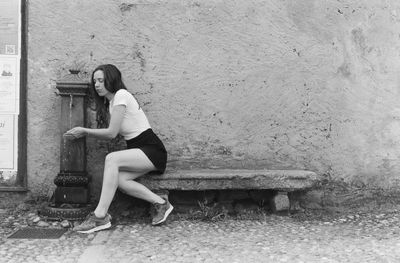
[9, 27]
[8, 136]
[10, 46]
[9, 84]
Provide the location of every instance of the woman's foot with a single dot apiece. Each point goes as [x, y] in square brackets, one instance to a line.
[161, 212]
[93, 224]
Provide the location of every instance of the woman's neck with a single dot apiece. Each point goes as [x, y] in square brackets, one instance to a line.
[109, 96]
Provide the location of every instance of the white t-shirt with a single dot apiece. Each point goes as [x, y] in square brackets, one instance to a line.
[135, 121]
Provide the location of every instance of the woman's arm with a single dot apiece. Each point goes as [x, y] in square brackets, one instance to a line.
[107, 133]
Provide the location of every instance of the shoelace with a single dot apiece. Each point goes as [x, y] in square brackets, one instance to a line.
[158, 206]
[87, 217]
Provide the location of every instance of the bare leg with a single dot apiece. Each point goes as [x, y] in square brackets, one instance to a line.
[132, 160]
[127, 185]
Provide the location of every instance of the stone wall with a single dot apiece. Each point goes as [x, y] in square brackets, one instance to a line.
[236, 84]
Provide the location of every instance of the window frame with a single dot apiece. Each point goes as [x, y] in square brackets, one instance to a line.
[20, 184]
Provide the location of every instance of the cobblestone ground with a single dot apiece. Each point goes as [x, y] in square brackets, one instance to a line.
[303, 237]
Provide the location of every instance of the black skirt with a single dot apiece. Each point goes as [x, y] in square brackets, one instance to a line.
[152, 146]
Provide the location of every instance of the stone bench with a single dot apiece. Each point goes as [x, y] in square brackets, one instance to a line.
[293, 183]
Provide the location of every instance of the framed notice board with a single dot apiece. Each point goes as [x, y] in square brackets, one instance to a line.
[13, 95]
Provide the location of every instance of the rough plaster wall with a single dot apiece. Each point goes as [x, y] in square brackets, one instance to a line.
[249, 84]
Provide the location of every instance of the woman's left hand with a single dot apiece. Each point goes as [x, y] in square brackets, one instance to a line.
[75, 133]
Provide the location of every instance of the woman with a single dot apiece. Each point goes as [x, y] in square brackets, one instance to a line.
[145, 152]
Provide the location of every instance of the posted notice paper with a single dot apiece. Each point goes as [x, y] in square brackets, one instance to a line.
[7, 142]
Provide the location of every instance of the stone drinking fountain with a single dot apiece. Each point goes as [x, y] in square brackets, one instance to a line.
[71, 197]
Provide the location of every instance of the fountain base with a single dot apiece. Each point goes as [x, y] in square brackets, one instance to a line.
[72, 188]
[70, 200]
[65, 211]
[71, 195]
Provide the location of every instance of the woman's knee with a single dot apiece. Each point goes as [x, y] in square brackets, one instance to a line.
[111, 159]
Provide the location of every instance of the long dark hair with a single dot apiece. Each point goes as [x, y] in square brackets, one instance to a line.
[112, 82]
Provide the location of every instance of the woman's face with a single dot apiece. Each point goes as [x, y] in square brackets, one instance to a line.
[98, 79]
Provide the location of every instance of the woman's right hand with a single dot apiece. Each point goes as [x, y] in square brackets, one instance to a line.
[75, 133]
